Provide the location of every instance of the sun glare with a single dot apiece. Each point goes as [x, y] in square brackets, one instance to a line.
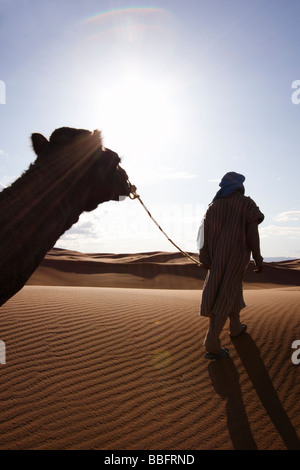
[139, 107]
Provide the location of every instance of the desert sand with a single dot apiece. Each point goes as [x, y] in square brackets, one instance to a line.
[105, 352]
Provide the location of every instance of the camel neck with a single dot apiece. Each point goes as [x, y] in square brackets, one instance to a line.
[35, 211]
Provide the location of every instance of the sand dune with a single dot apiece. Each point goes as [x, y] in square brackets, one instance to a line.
[123, 368]
[155, 270]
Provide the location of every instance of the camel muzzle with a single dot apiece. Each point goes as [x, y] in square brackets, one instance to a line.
[123, 185]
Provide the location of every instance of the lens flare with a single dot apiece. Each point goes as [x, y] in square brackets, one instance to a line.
[130, 24]
[118, 12]
[161, 359]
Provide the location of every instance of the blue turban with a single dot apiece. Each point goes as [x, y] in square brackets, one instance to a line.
[230, 183]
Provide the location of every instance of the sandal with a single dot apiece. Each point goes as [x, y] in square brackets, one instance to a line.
[244, 328]
[224, 352]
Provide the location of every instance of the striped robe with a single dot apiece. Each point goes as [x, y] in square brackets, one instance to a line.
[227, 253]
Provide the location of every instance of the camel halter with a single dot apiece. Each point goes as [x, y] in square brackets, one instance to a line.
[133, 195]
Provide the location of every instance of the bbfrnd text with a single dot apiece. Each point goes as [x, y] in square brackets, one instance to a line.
[151, 459]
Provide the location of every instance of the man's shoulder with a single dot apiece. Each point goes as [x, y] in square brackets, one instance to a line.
[250, 201]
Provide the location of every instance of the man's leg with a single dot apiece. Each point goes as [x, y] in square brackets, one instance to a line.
[235, 325]
[212, 341]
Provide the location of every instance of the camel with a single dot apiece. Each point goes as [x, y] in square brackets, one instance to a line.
[72, 173]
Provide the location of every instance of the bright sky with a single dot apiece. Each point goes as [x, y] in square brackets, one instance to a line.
[184, 91]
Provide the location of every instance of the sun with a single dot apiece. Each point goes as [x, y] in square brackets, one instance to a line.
[137, 99]
[137, 110]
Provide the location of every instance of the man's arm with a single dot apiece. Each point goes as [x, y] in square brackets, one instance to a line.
[254, 245]
[204, 257]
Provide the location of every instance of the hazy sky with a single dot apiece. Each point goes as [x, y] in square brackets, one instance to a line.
[183, 91]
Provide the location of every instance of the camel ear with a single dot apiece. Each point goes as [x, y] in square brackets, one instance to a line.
[97, 135]
[39, 143]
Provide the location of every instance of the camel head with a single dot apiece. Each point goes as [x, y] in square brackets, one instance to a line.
[82, 164]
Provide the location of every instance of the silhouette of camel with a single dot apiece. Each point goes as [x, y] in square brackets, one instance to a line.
[72, 173]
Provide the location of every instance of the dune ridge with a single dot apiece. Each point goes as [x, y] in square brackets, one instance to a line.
[153, 270]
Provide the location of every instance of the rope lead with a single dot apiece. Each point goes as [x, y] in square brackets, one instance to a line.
[133, 195]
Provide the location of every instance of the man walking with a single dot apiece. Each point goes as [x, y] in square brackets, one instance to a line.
[229, 235]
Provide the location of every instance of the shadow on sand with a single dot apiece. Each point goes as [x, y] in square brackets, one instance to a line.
[225, 379]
